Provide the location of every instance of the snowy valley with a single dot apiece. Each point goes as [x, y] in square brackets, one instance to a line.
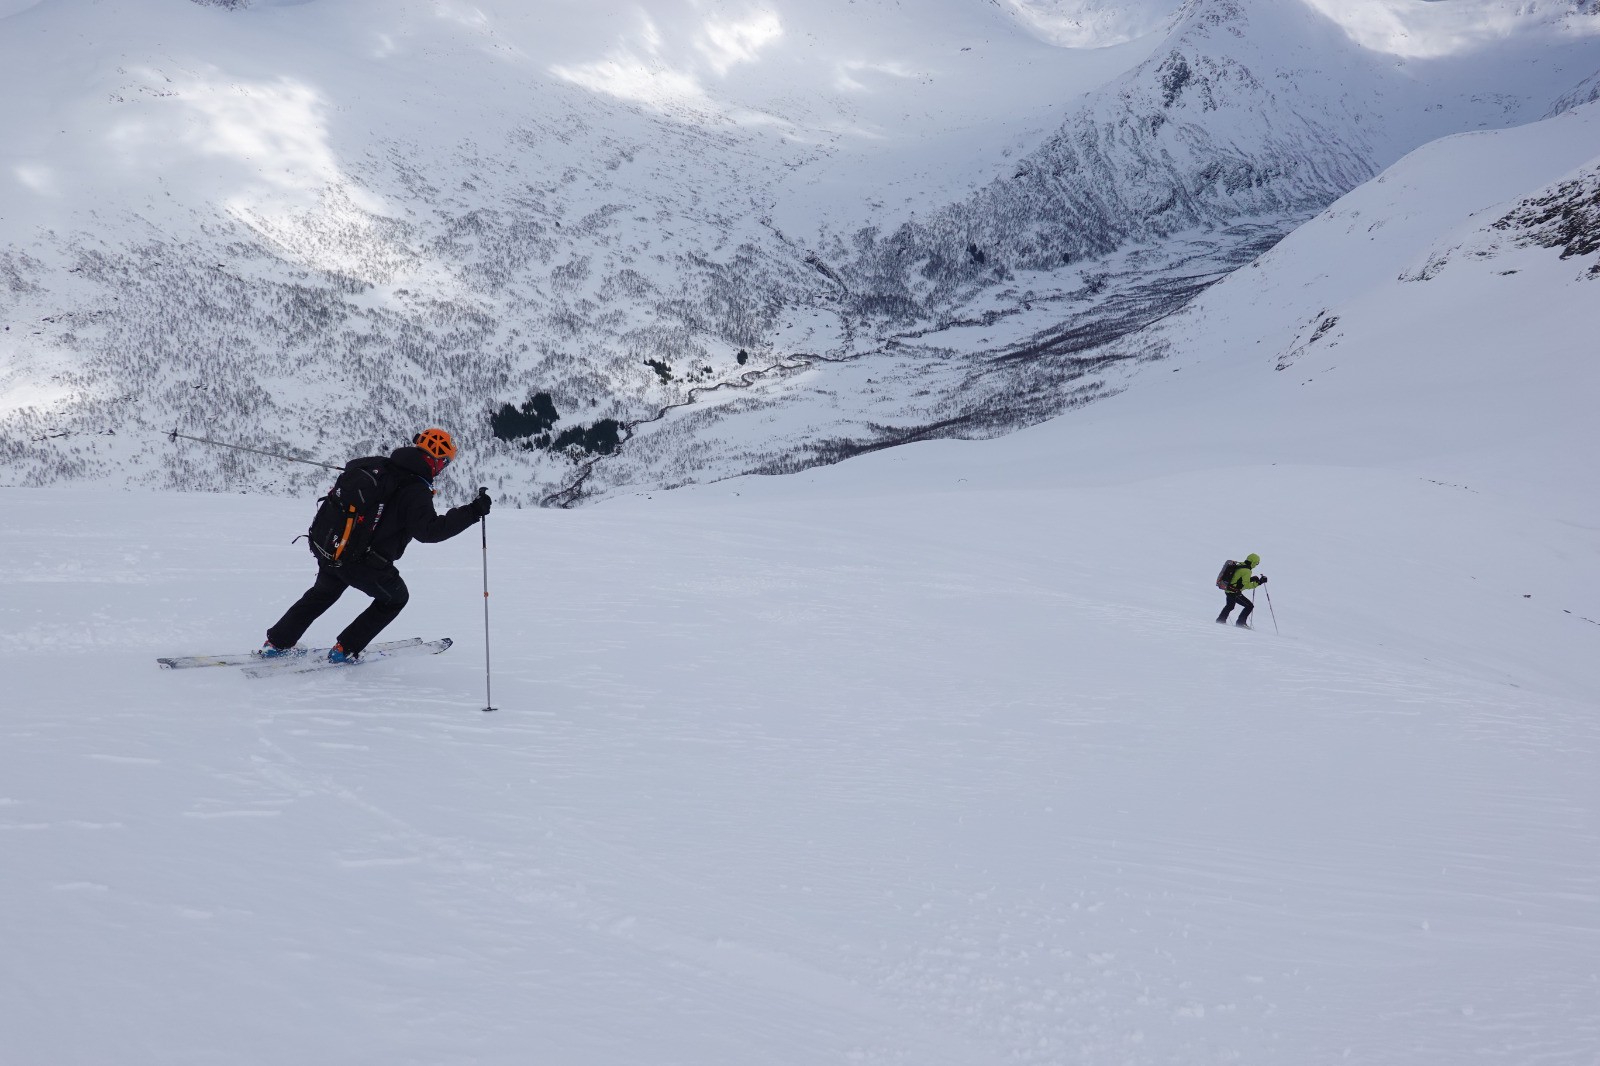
[734, 237]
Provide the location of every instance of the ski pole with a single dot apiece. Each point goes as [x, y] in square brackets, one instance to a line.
[483, 529]
[175, 435]
[1273, 613]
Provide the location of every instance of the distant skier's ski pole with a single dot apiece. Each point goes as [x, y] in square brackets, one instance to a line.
[175, 435]
[1273, 613]
[488, 693]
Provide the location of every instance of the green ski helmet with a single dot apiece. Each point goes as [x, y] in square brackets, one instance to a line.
[1252, 559]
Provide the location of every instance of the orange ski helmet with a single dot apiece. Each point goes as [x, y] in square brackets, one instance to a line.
[438, 446]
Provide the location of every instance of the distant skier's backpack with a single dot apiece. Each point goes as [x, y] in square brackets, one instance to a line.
[1225, 575]
[347, 517]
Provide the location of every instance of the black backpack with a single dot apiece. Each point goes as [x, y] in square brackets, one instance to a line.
[1225, 575]
[348, 516]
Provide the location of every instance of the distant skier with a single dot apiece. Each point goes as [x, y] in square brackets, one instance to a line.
[394, 508]
[1234, 579]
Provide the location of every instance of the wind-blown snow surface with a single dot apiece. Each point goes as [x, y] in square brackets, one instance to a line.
[817, 769]
[932, 757]
[956, 777]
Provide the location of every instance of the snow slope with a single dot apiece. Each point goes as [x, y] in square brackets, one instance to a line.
[945, 777]
[930, 757]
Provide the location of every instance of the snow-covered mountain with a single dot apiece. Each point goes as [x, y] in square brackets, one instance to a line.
[305, 225]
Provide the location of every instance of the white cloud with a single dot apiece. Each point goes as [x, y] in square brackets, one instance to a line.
[1090, 23]
[631, 78]
[644, 68]
[274, 129]
[845, 73]
[635, 70]
[727, 43]
[260, 151]
[1429, 30]
[37, 177]
[465, 14]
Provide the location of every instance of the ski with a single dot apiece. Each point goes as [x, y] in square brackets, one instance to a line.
[189, 662]
[305, 664]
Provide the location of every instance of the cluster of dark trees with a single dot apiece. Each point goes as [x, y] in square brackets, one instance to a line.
[533, 422]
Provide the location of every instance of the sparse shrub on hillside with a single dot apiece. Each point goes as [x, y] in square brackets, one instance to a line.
[15, 268]
[626, 284]
[568, 276]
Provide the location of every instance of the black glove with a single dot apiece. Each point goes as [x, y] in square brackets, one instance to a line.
[1262, 580]
[480, 505]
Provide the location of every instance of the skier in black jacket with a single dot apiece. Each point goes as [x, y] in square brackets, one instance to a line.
[408, 515]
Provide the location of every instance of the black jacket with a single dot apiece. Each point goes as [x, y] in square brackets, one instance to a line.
[408, 514]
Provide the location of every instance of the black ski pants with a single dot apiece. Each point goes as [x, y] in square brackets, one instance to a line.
[1236, 599]
[385, 586]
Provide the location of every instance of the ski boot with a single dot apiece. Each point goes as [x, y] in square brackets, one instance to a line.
[337, 654]
[269, 650]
